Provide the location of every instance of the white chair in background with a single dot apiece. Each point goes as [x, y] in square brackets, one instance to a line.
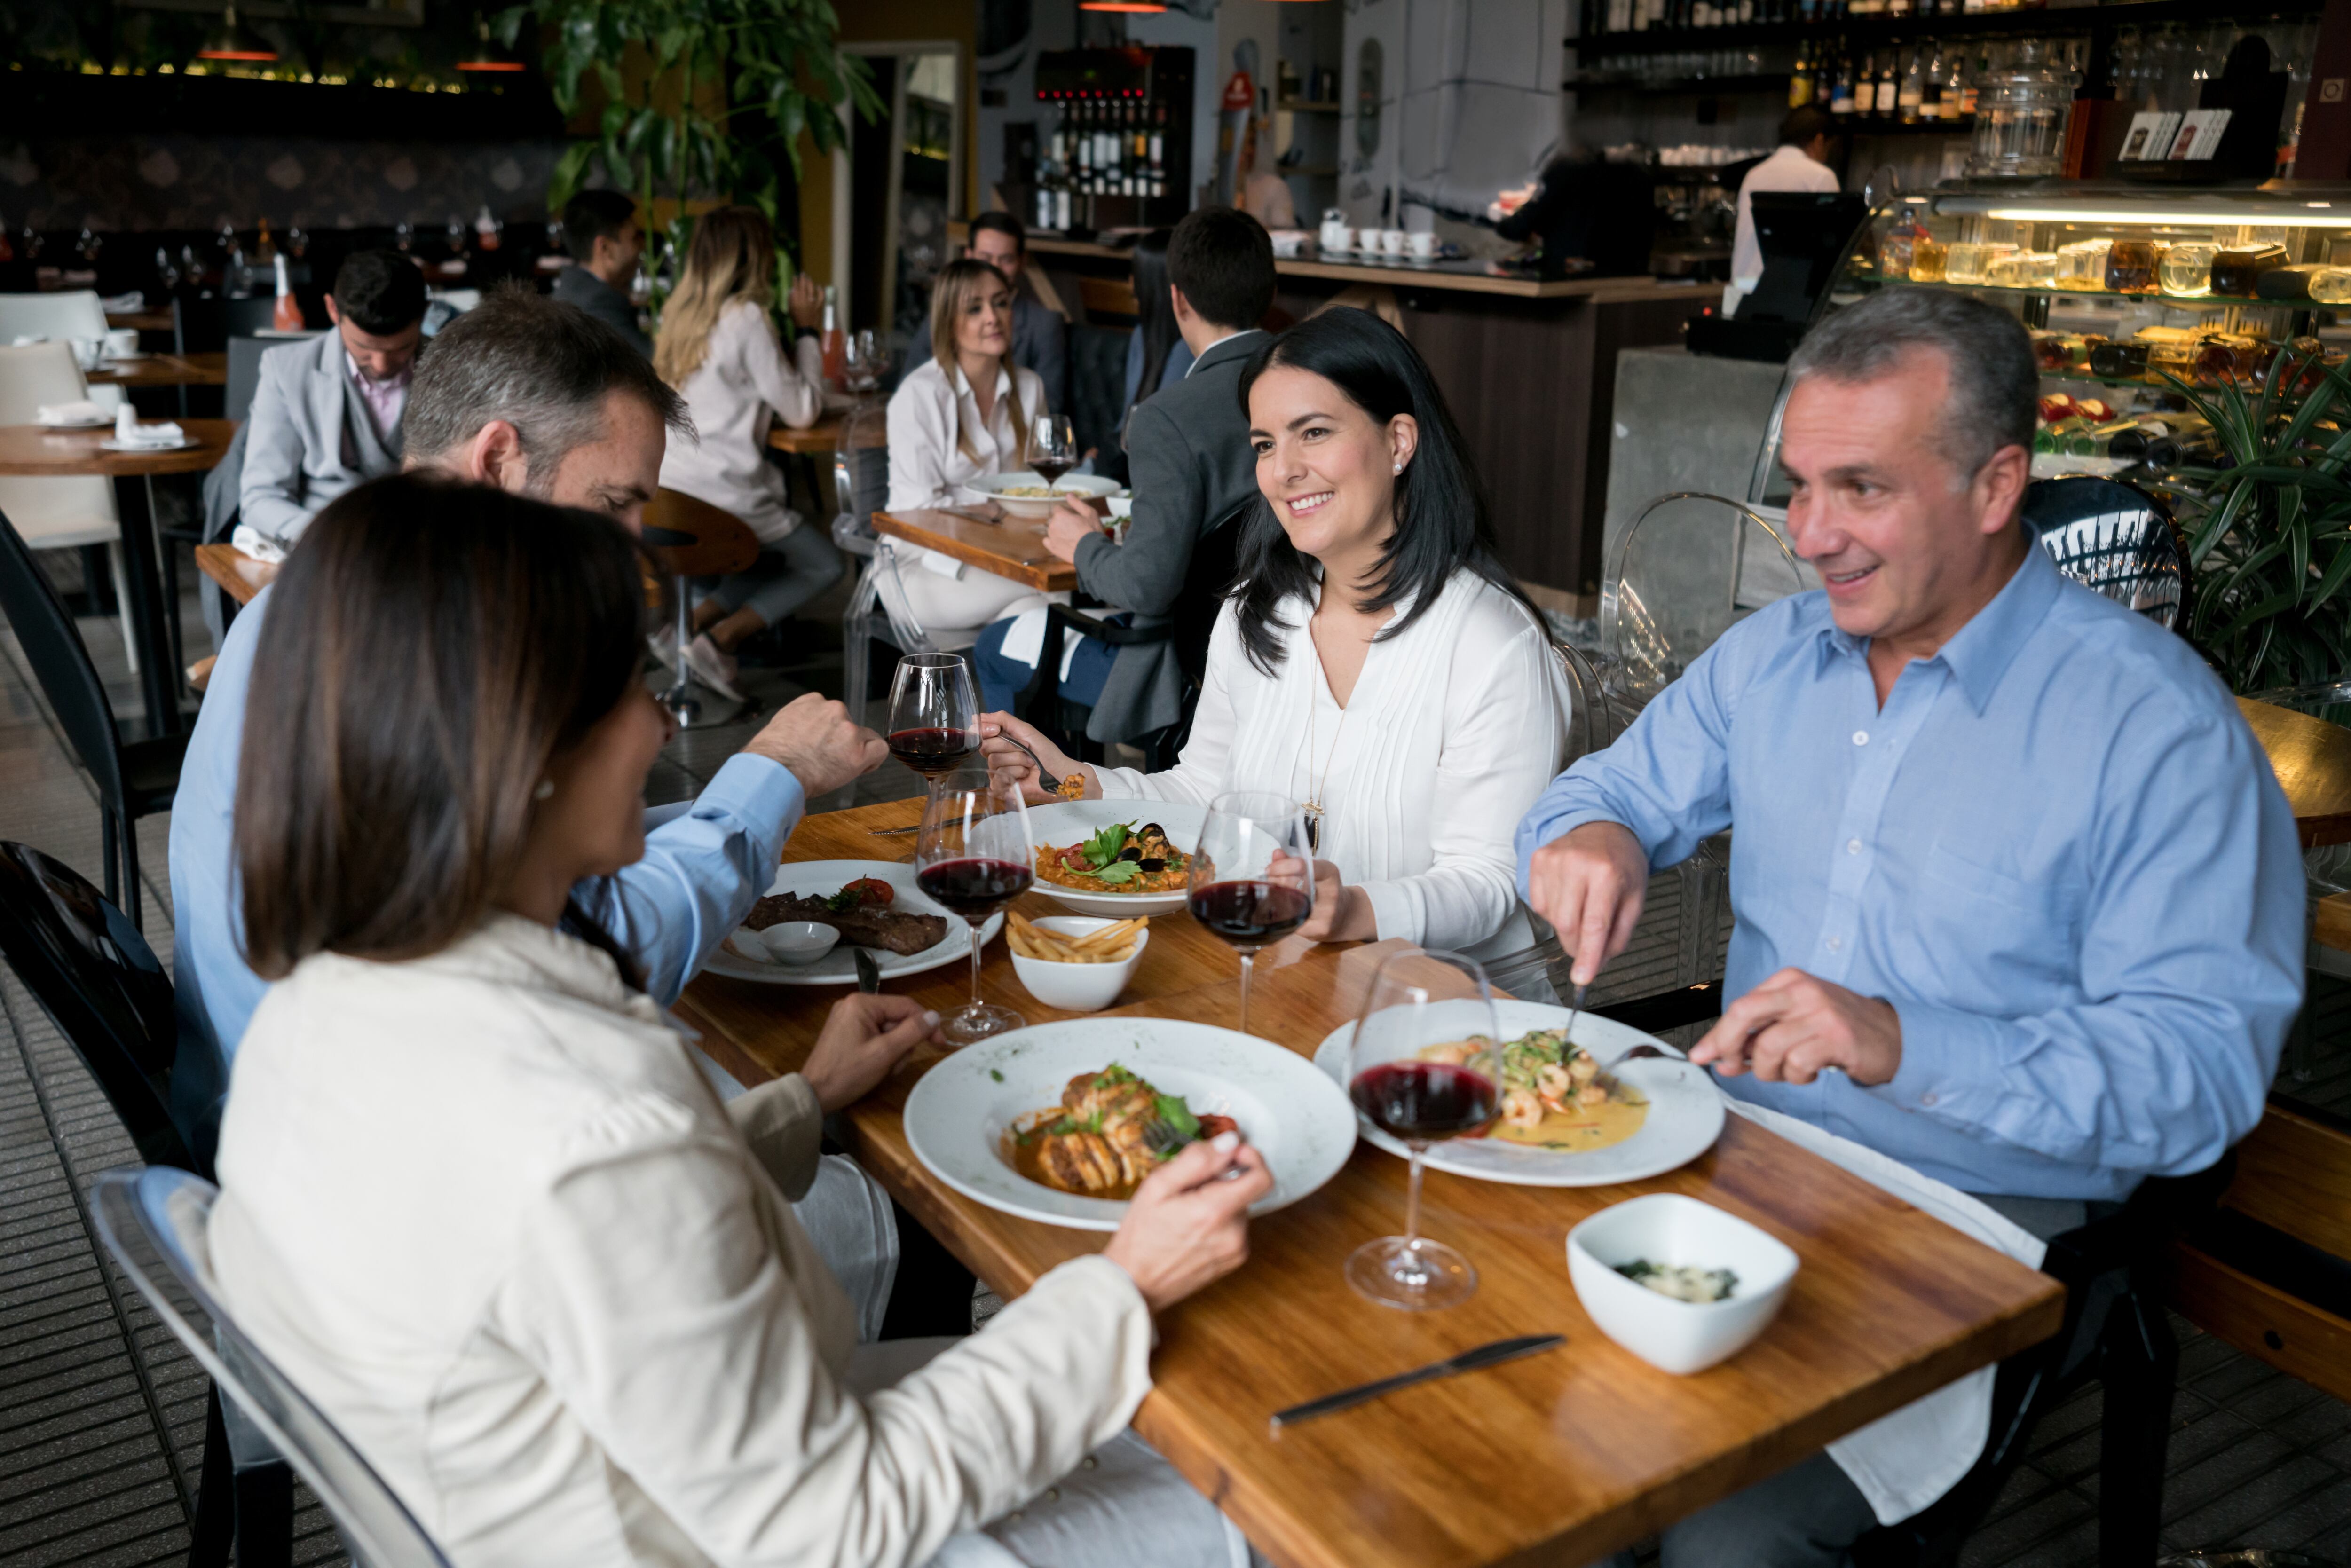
[58, 513]
[57, 316]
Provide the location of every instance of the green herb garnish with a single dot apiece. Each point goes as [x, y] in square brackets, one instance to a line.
[1117, 872]
[1102, 849]
[1178, 1115]
[997, 1076]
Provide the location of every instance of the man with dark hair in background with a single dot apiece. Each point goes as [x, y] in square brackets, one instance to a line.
[1041, 339]
[1188, 452]
[600, 230]
[1807, 139]
[326, 413]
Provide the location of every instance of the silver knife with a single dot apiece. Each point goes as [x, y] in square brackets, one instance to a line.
[892, 833]
[869, 972]
[1493, 1354]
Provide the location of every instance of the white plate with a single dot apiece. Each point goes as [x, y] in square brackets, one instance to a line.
[838, 968]
[104, 422]
[957, 1115]
[1067, 822]
[1684, 1108]
[111, 444]
[1038, 507]
[130, 358]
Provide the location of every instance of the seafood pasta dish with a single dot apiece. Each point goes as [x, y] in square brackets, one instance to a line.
[1554, 1095]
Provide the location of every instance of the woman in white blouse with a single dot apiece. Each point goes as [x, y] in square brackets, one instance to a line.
[1376, 662]
[718, 348]
[480, 1204]
[969, 412]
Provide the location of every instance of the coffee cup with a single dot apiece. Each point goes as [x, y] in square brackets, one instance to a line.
[122, 342]
[1391, 241]
[88, 351]
[1335, 236]
[1423, 244]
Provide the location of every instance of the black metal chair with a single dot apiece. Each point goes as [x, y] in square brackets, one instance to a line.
[1186, 627]
[98, 981]
[2112, 538]
[2114, 1333]
[135, 779]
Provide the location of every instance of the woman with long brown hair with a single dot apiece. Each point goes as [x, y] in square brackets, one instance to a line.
[717, 346]
[969, 412]
[477, 1199]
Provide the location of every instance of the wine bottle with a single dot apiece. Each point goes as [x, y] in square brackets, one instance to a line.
[1864, 87]
[833, 343]
[1913, 94]
[285, 316]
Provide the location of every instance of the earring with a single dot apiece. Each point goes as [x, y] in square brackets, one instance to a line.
[545, 791]
[1399, 467]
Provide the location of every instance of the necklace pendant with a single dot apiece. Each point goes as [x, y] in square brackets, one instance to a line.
[1313, 812]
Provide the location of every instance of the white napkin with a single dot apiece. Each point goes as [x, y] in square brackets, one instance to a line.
[128, 432]
[83, 412]
[261, 547]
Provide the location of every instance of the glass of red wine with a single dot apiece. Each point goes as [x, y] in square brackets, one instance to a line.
[934, 714]
[1425, 1067]
[1252, 881]
[1053, 447]
[974, 856]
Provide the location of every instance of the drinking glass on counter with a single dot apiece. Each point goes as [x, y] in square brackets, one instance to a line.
[1426, 1066]
[975, 855]
[1252, 878]
[934, 714]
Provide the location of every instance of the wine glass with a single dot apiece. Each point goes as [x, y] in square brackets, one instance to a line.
[1053, 447]
[1426, 1066]
[1252, 878]
[933, 713]
[975, 855]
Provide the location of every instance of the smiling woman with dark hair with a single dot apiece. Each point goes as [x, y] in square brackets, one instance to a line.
[1375, 661]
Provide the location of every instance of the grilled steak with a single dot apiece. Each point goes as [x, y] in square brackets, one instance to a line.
[891, 930]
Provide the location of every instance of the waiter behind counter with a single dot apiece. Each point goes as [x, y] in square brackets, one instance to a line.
[1587, 207]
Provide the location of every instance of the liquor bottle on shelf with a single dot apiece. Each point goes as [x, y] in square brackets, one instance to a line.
[265, 249]
[1897, 7]
[1864, 87]
[1930, 87]
[1799, 81]
[1841, 93]
[1913, 92]
[1890, 89]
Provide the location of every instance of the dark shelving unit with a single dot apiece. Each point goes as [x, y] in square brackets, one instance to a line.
[1865, 32]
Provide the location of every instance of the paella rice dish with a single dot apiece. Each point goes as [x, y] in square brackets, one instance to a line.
[1122, 858]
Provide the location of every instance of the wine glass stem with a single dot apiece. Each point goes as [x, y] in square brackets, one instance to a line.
[974, 961]
[1248, 963]
[1412, 1204]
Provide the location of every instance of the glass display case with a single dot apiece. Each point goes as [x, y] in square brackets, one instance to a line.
[2123, 288]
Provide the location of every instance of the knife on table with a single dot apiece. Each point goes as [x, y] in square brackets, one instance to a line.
[1493, 1354]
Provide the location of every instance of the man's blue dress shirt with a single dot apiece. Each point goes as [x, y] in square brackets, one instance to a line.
[2057, 849]
[701, 872]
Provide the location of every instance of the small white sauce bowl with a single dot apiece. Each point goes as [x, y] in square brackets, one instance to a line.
[1668, 1228]
[1077, 987]
[799, 941]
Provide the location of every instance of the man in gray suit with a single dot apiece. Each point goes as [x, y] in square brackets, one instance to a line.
[600, 230]
[1041, 339]
[1188, 452]
[326, 413]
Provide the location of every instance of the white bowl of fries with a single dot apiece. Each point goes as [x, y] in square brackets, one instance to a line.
[1072, 963]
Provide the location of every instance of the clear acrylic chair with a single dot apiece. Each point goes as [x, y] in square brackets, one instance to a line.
[2113, 538]
[878, 610]
[1691, 567]
[153, 1221]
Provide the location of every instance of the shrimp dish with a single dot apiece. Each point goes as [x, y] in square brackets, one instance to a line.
[1554, 1095]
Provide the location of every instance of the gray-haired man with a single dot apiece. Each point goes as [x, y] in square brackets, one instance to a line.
[2018, 899]
[533, 396]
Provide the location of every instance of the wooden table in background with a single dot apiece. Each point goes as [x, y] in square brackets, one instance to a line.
[30, 449]
[2312, 760]
[815, 441]
[1013, 548]
[139, 320]
[1562, 1458]
[163, 370]
[238, 573]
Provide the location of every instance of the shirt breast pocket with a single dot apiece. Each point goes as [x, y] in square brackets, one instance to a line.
[1984, 929]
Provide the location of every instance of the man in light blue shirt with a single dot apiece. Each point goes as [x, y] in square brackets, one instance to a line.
[2019, 902]
[534, 396]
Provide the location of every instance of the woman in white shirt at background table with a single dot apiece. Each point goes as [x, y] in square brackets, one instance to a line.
[479, 1204]
[718, 348]
[969, 412]
[1415, 711]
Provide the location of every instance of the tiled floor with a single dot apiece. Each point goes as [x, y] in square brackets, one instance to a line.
[100, 1414]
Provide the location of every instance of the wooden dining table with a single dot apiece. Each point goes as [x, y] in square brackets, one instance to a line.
[815, 441]
[2312, 760]
[32, 449]
[240, 575]
[1560, 1458]
[201, 370]
[1013, 548]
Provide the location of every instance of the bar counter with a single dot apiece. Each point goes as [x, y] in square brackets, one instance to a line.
[1528, 366]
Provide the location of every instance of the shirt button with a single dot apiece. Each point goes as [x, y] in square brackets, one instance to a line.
[1853, 846]
[1836, 943]
[1860, 738]
[1927, 1098]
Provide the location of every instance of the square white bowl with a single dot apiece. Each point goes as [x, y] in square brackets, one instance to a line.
[1077, 987]
[1666, 1228]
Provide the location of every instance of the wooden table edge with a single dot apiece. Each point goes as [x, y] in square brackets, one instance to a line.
[1060, 577]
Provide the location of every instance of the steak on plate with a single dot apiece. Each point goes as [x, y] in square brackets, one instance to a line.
[891, 930]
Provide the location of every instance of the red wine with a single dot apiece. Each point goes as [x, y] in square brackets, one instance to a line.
[1051, 472]
[974, 888]
[1249, 914]
[1422, 1100]
[934, 753]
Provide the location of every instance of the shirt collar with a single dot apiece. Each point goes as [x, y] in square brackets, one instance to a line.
[1202, 357]
[962, 387]
[369, 382]
[1980, 653]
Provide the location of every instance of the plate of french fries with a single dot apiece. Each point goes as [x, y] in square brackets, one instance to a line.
[1075, 963]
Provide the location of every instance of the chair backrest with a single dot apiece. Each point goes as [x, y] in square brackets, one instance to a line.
[690, 537]
[1214, 559]
[882, 577]
[60, 316]
[29, 377]
[100, 984]
[61, 664]
[861, 463]
[245, 372]
[154, 1222]
[2112, 538]
[253, 314]
[1691, 567]
[1592, 724]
